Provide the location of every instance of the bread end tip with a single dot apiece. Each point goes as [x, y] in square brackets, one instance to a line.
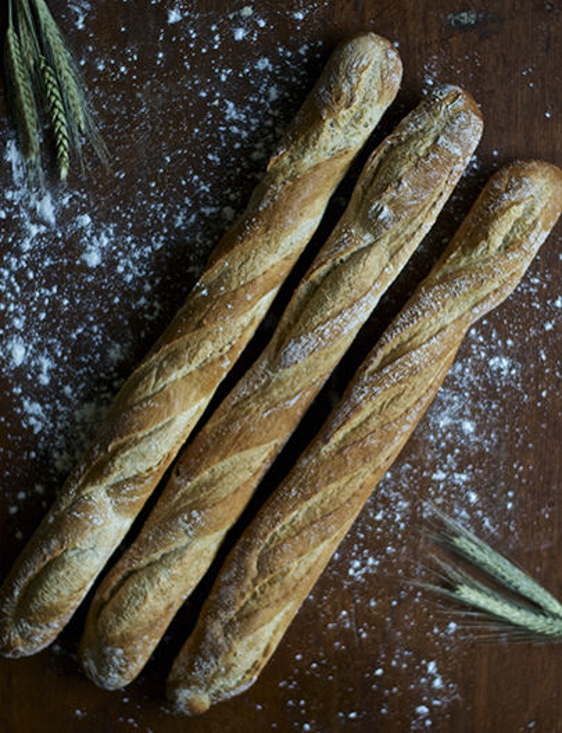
[189, 701]
[106, 666]
[12, 644]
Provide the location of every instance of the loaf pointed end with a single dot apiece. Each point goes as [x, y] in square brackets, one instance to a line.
[15, 645]
[8, 645]
[18, 638]
[189, 701]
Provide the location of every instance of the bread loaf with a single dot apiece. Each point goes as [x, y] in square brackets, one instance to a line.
[162, 401]
[396, 200]
[278, 559]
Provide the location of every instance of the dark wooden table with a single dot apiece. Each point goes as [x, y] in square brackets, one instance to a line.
[191, 98]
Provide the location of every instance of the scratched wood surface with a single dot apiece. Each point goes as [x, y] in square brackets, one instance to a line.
[369, 650]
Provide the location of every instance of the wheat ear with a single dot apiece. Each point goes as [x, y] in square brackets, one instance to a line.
[532, 612]
[57, 115]
[23, 101]
[79, 114]
[528, 620]
[485, 558]
[60, 61]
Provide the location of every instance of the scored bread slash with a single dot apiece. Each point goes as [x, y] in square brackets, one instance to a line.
[274, 565]
[398, 196]
[160, 404]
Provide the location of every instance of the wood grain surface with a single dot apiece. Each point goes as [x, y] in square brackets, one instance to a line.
[191, 97]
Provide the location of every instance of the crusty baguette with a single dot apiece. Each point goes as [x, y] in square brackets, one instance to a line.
[283, 551]
[397, 198]
[162, 401]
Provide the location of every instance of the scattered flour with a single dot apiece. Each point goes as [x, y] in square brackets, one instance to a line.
[239, 33]
[174, 16]
[465, 19]
[87, 282]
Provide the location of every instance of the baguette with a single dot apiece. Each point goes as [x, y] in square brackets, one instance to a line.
[273, 567]
[397, 198]
[162, 401]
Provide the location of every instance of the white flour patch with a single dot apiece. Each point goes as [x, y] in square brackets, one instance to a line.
[174, 16]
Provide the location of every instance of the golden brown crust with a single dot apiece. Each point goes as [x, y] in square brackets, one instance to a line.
[275, 564]
[397, 198]
[161, 402]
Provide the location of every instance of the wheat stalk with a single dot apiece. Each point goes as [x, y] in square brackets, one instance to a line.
[531, 612]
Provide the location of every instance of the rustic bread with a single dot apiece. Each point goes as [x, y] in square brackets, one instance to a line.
[162, 401]
[397, 198]
[273, 567]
